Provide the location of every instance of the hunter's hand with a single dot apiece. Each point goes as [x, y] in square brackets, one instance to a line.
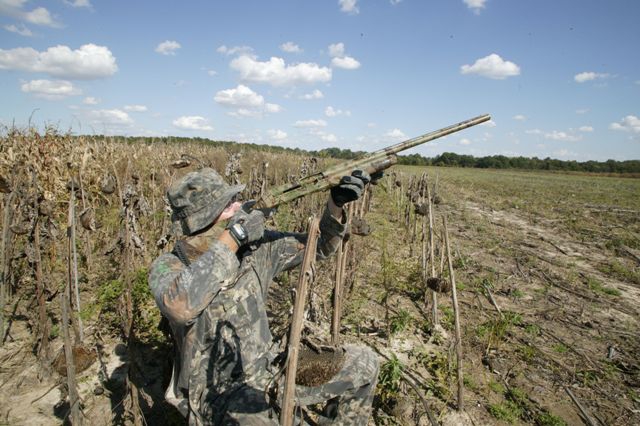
[376, 177]
[350, 188]
[245, 227]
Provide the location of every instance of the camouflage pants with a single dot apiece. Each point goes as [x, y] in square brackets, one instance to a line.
[350, 393]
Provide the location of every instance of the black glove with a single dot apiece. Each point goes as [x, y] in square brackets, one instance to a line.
[246, 227]
[376, 177]
[350, 188]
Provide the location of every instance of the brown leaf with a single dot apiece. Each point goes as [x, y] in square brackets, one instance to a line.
[87, 219]
[4, 185]
[108, 184]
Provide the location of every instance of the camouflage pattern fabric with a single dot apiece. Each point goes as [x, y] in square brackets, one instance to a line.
[225, 353]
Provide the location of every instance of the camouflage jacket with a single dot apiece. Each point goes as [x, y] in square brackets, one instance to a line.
[216, 309]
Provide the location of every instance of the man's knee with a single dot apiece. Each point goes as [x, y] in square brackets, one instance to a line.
[364, 362]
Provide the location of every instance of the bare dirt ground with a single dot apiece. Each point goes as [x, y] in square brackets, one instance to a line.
[564, 330]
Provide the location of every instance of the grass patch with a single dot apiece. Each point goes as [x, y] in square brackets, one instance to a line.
[560, 348]
[532, 329]
[597, 287]
[618, 270]
[399, 321]
[496, 387]
[389, 380]
[528, 352]
[548, 419]
[507, 411]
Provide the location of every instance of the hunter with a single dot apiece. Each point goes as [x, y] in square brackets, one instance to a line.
[212, 289]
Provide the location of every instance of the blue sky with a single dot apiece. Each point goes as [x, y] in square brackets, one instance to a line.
[560, 78]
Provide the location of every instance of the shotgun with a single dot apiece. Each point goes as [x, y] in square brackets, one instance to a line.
[371, 163]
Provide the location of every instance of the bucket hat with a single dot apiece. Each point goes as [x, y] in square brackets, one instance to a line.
[199, 198]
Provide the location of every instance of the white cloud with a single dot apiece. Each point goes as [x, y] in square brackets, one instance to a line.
[272, 108]
[586, 129]
[589, 76]
[328, 137]
[519, 117]
[242, 97]
[310, 123]
[564, 153]
[555, 135]
[582, 111]
[235, 50]
[48, 89]
[111, 117]
[396, 134]
[336, 50]
[394, 2]
[38, 16]
[79, 3]
[489, 123]
[465, 141]
[135, 108]
[332, 112]
[41, 16]
[168, 47]
[492, 66]
[277, 73]
[475, 5]
[276, 134]
[88, 62]
[562, 136]
[316, 94]
[346, 62]
[90, 100]
[244, 112]
[194, 122]
[22, 30]
[630, 123]
[247, 102]
[340, 59]
[290, 47]
[349, 6]
[212, 73]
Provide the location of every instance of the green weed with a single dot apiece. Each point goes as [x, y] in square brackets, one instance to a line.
[496, 387]
[618, 270]
[548, 419]
[54, 332]
[447, 318]
[598, 287]
[507, 411]
[517, 294]
[560, 348]
[400, 321]
[389, 379]
[532, 329]
[438, 365]
[528, 352]
[469, 383]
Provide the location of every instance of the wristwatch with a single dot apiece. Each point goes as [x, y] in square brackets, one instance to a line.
[238, 233]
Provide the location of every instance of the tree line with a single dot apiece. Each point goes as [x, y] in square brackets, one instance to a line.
[446, 159]
[450, 159]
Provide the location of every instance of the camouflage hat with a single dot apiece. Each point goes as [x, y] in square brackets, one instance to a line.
[199, 198]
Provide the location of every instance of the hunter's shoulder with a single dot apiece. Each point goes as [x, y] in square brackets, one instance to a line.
[165, 265]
